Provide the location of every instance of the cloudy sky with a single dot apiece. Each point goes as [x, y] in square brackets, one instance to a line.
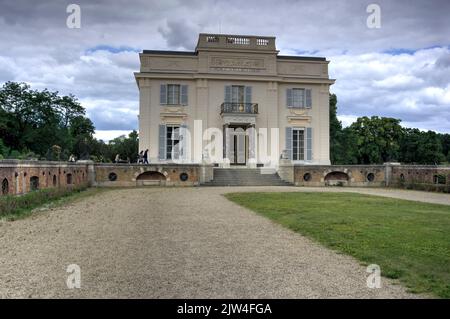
[401, 69]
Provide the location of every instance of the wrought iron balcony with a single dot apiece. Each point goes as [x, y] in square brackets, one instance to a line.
[239, 108]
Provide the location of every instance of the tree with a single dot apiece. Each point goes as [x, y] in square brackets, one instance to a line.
[35, 121]
[342, 141]
[421, 147]
[126, 147]
[377, 139]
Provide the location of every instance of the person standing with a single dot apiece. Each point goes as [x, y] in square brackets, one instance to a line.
[146, 156]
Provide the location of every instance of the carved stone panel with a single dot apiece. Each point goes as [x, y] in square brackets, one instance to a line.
[244, 64]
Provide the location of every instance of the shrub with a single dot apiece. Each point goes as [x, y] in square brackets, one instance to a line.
[17, 204]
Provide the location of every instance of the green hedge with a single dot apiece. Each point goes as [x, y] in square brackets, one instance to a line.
[16, 204]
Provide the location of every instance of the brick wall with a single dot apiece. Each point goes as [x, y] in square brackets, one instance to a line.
[19, 177]
[343, 175]
[142, 175]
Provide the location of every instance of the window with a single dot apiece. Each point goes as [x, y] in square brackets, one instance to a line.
[174, 94]
[298, 144]
[298, 98]
[172, 142]
[237, 94]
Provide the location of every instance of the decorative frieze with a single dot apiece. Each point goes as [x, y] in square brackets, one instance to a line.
[243, 64]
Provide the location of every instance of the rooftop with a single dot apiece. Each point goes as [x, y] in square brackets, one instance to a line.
[207, 41]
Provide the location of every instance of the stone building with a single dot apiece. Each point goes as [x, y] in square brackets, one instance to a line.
[265, 105]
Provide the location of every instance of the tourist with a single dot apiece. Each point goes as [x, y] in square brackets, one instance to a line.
[141, 157]
[146, 156]
[117, 160]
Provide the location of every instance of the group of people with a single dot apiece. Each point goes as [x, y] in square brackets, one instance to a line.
[142, 158]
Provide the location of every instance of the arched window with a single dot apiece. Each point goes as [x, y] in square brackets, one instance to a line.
[5, 187]
[55, 181]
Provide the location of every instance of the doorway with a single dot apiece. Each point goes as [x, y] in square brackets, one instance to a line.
[239, 146]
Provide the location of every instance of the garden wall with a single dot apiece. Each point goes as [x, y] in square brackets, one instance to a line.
[19, 177]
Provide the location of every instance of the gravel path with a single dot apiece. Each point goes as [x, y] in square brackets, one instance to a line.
[173, 243]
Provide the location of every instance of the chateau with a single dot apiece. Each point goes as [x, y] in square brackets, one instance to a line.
[259, 106]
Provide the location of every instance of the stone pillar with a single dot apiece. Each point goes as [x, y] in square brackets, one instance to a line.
[92, 181]
[388, 173]
[251, 146]
[286, 171]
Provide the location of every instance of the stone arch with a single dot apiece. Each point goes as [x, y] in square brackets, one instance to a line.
[34, 183]
[337, 178]
[151, 178]
[5, 186]
[69, 179]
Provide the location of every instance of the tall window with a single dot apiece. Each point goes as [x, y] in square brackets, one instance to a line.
[298, 144]
[299, 98]
[237, 94]
[172, 142]
[173, 94]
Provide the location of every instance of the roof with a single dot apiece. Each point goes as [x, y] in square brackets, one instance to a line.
[166, 52]
[193, 53]
[304, 58]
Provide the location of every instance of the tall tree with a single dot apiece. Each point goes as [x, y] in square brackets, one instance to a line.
[377, 139]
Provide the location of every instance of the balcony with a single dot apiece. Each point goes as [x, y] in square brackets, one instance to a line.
[239, 108]
[237, 42]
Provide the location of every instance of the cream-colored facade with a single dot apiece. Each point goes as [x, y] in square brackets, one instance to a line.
[241, 86]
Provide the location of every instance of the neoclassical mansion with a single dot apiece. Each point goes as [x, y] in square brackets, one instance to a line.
[265, 105]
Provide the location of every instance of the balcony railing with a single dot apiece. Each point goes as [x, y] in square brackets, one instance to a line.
[241, 108]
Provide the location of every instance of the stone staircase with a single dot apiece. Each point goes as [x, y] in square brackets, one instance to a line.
[245, 177]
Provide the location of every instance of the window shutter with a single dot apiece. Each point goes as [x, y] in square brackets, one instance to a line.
[309, 143]
[289, 98]
[228, 94]
[163, 94]
[288, 139]
[308, 98]
[184, 95]
[162, 142]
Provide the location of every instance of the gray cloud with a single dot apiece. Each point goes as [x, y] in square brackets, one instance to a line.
[372, 77]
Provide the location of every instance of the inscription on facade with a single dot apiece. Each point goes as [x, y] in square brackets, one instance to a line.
[236, 63]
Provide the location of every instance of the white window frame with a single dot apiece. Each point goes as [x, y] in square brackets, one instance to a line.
[303, 130]
[173, 96]
[298, 98]
[171, 142]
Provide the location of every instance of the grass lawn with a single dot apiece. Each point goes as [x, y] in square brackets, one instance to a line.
[409, 240]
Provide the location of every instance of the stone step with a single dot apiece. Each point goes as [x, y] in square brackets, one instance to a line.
[246, 177]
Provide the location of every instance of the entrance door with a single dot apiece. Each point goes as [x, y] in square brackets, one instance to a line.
[240, 146]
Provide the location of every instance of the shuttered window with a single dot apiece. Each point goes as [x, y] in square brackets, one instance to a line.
[298, 144]
[172, 142]
[174, 94]
[298, 98]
